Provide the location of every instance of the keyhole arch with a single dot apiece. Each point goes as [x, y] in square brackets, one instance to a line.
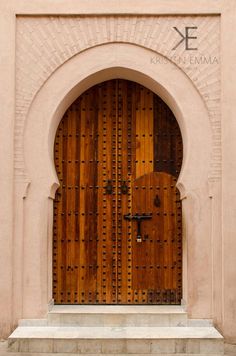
[56, 95]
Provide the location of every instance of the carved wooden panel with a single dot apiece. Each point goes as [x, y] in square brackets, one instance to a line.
[118, 152]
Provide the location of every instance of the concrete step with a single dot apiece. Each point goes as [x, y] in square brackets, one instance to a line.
[117, 316]
[117, 340]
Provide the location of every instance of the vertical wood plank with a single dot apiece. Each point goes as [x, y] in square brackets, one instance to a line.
[118, 131]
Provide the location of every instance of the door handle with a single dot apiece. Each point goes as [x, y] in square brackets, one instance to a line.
[139, 219]
[108, 187]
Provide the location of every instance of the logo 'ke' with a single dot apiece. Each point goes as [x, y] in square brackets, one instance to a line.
[185, 38]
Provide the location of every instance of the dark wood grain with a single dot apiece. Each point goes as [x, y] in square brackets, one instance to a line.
[118, 131]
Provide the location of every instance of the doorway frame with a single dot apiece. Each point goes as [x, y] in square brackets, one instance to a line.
[34, 197]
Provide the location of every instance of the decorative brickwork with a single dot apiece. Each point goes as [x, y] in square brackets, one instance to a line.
[46, 42]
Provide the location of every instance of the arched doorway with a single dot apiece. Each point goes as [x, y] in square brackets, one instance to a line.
[117, 214]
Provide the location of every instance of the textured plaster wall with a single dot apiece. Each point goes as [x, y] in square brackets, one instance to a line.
[36, 47]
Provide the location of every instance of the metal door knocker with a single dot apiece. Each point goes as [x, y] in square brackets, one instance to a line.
[108, 187]
[157, 201]
[124, 188]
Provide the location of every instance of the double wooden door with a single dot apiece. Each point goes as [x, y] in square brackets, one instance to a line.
[117, 235]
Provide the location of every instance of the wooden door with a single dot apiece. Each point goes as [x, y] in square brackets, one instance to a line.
[117, 235]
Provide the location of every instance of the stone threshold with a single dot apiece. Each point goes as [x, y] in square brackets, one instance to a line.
[125, 332]
[118, 309]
